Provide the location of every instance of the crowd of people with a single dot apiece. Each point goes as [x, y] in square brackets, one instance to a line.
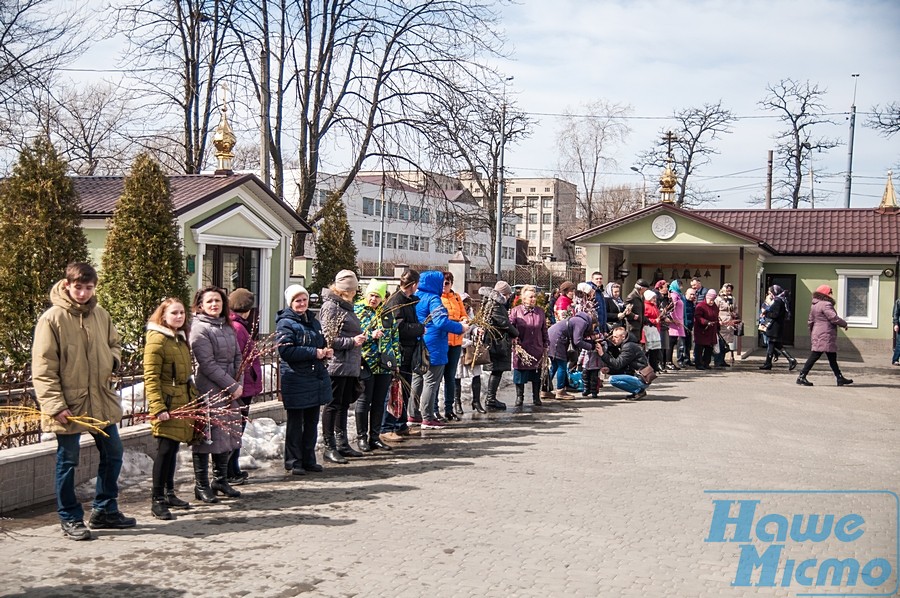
[385, 355]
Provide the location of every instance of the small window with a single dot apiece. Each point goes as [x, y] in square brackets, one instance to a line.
[368, 206]
[532, 235]
[533, 189]
[532, 219]
[532, 252]
[857, 297]
[545, 235]
[546, 189]
[404, 241]
[546, 218]
[547, 203]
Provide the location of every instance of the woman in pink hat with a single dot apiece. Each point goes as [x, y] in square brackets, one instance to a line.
[823, 324]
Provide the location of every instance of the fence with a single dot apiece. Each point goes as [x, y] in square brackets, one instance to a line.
[19, 430]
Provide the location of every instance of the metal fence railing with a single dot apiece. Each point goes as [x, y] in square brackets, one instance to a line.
[20, 430]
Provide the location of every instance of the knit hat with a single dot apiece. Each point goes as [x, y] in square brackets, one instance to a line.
[585, 287]
[346, 281]
[648, 295]
[503, 288]
[661, 284]
[378, 287]
[712, 293]
[240, 300]
[292, 291]
[824, 289]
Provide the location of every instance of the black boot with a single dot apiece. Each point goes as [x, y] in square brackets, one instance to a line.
[160, 509]
[476, 395]
[343, 445]
[493, 386]
[220, 484]
[331, 452]
[536, 394]
[457, 398]
[340, 436]
[792, 363]
[841, 381]
[362, 434]
[802, 381]
[362, 442]
[175, 502]
[376, 443]
[520, 395]
[202, 491]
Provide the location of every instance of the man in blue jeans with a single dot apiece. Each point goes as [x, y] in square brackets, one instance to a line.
[75, 353]
[624, 358]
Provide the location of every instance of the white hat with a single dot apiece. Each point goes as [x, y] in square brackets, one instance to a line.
[648, 295]
[294, 290]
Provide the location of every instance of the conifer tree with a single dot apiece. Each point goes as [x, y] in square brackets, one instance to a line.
[335, 249]
[143, 262]
[40, 233]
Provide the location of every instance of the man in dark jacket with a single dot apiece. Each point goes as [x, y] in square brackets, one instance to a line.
[634, 318]
[402, 304]
[624, 358]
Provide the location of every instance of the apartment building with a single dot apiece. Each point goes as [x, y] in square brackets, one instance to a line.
[395, 221]
[544, 211]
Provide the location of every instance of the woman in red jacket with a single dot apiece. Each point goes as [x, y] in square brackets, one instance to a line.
[706, 329]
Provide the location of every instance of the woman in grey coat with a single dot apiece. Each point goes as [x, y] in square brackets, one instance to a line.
[823, 323]
[218, 358]
[344, 334]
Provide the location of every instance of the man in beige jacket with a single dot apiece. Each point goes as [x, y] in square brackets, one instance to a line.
[75, 352]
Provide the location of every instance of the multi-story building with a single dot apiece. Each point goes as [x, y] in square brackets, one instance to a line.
[394, 221]
[544, 211]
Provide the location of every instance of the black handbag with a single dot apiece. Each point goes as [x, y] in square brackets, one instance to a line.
[387, 361]
[421, 360]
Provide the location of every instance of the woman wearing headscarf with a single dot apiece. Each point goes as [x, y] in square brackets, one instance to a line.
[823, 323]
[498, 338]
[652, 339]
[344, 334]
[727, 324]
[706, 329]
[676, 327]
[531, 323]
[664, 305]
[776, 312]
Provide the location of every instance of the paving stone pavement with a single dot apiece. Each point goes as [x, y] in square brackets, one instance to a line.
[583, 498]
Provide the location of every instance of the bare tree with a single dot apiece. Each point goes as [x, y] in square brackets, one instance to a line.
[176, 50]
[587, 142]
[800, 107]
[88, 126]
[464, 135]
[691, 145]
[885, 119]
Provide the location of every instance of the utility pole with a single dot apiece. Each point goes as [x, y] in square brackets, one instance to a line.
[381, 230]
[850, 143]
[769, 180]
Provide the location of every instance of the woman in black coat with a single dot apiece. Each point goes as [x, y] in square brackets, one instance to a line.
[498, 338]
[305, 384]
[402, 305]
[776, 312]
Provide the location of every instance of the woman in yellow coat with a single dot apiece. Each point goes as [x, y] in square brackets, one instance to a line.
[168, 385]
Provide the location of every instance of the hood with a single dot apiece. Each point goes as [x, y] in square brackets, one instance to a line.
[201, 317]
[493, 295]
[432, 281]
[820, 297]
[166, 331]
[60, 298]
[289, 314]
[329, 295]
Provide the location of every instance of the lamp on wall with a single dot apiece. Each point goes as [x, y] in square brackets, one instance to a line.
[686, 274]
[190, 263]
[621, 271]
[658, 273]
[697, 273]
[674, 273]
[707, 275]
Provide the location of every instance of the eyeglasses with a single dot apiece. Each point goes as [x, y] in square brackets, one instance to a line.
[446, 282]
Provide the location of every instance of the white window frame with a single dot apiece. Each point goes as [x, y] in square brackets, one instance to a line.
[870, 321]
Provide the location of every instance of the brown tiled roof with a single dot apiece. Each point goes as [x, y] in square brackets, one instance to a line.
[861, 232]
[828, 232]
[98, 194]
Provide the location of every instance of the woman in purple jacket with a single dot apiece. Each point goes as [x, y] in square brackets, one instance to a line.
[823, 324]
[241, 303]
[533, 341]
[576, 331]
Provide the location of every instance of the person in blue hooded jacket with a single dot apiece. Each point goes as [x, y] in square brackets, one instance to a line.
[431, 312]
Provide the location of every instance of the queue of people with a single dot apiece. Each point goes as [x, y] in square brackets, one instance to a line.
[200, 375]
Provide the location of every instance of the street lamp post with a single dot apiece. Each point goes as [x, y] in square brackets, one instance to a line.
[498, 244]
[644, 192]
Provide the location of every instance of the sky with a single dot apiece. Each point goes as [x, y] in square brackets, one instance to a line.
[660, 57]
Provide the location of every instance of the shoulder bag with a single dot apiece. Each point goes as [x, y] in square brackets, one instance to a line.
[647, 374]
